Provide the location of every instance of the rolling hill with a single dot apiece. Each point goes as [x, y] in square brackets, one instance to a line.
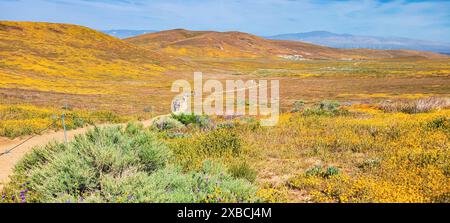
[54, 65]
[71, 59]
[329, 39]
[201, 44]
[47, 64]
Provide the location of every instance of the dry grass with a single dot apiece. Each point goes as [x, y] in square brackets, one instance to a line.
[380, 157]
[415, 106]
[365, 156]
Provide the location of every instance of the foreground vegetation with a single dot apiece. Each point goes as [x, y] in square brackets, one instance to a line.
[388, 152]
[119, 165]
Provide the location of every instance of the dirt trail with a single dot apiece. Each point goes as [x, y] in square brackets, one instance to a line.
[9, 160]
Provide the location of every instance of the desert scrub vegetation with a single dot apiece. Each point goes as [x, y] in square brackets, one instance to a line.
[366, 155]
[182, 122]
[356, 153]
[422, 105]
[218, 144]
[325, 107]
[201, 121]
[369, 156]
[19, 120]
[335, 68]
[167, 123]
[119, 164]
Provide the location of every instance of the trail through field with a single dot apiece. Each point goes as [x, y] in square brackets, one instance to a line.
[9, 160]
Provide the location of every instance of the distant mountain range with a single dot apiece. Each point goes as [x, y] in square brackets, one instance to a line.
[325, 38]
[211, 44]
[126, 33]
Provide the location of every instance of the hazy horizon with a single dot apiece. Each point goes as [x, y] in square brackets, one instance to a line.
[311, 31]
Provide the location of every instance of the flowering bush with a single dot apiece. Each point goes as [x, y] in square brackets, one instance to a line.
[368, 156]
[118, 165]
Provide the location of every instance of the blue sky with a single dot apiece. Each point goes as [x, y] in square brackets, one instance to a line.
[428, 20]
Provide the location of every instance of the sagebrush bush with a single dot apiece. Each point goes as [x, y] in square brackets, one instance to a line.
[208, 185]
[314, 171]
[326, 108]
[201, 121]
[226, 125]
[118, 164]
[298, 106]
[331, 106]
[167, 123]
[78, 168]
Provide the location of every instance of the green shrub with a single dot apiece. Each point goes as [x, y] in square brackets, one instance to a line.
[298, 106]
[327, 108]
[209, 185]
[78, 168]
[319, 171]
[250, 123]
[167, 123]
[440, 123]
[175, 135]
[187, 119]
[243, 171]
[226, 125]
[38, 157]
[331, 171]
[315, 171]
[118, 164]
[331, 106]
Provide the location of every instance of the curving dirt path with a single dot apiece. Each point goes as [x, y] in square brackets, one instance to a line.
[9, 160]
